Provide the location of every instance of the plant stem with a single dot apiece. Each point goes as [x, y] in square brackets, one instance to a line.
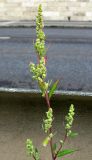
[50, 130]
[65, 137]
[51, 144]
[47, 99]
[34, 157]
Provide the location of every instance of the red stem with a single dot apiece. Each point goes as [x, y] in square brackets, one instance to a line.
[47, 99]
[61, 145]
[50, 130]
[34, 157]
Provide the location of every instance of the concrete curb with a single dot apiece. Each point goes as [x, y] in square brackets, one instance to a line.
[66, 24]
[60, 95]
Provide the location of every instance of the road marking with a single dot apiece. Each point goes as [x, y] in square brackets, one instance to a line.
[5, 38]
[7, 23]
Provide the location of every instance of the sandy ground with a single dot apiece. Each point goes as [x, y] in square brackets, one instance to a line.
[22, 119]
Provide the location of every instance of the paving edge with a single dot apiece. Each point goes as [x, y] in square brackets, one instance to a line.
[34, 93]
[52, 23]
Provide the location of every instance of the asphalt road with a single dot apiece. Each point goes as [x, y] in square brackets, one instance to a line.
[69, 58]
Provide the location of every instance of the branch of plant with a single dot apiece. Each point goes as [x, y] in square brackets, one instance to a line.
[47, 99]
[50, 130]
[61, 145]
[34, 157]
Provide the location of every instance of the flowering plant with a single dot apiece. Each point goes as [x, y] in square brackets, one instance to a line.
[39, 74]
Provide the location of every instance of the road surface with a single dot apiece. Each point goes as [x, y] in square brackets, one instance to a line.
[69, 58]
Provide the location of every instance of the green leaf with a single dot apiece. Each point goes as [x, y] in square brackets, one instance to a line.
[65, 152]
[47, 140]
[73, 134]
[54, 147]
[52, 90]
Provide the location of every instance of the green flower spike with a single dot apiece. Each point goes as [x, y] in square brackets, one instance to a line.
[32, 151]
[39, 73]
[39, 70]
[48, 121]
[40, 40]
[30, 147]
[69, 119]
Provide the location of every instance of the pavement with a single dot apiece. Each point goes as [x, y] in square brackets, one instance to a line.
[69, 58]
[52, 23]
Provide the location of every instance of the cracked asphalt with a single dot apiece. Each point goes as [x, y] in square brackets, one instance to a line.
[69, 57]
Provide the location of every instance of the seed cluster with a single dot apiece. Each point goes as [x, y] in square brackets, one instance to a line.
[40, 41]
[39, 70]
[39, 73]
[69, 119]
[48, 121]
[32, 151]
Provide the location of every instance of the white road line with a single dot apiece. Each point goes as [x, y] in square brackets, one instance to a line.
[4, 38]
[7, 23]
